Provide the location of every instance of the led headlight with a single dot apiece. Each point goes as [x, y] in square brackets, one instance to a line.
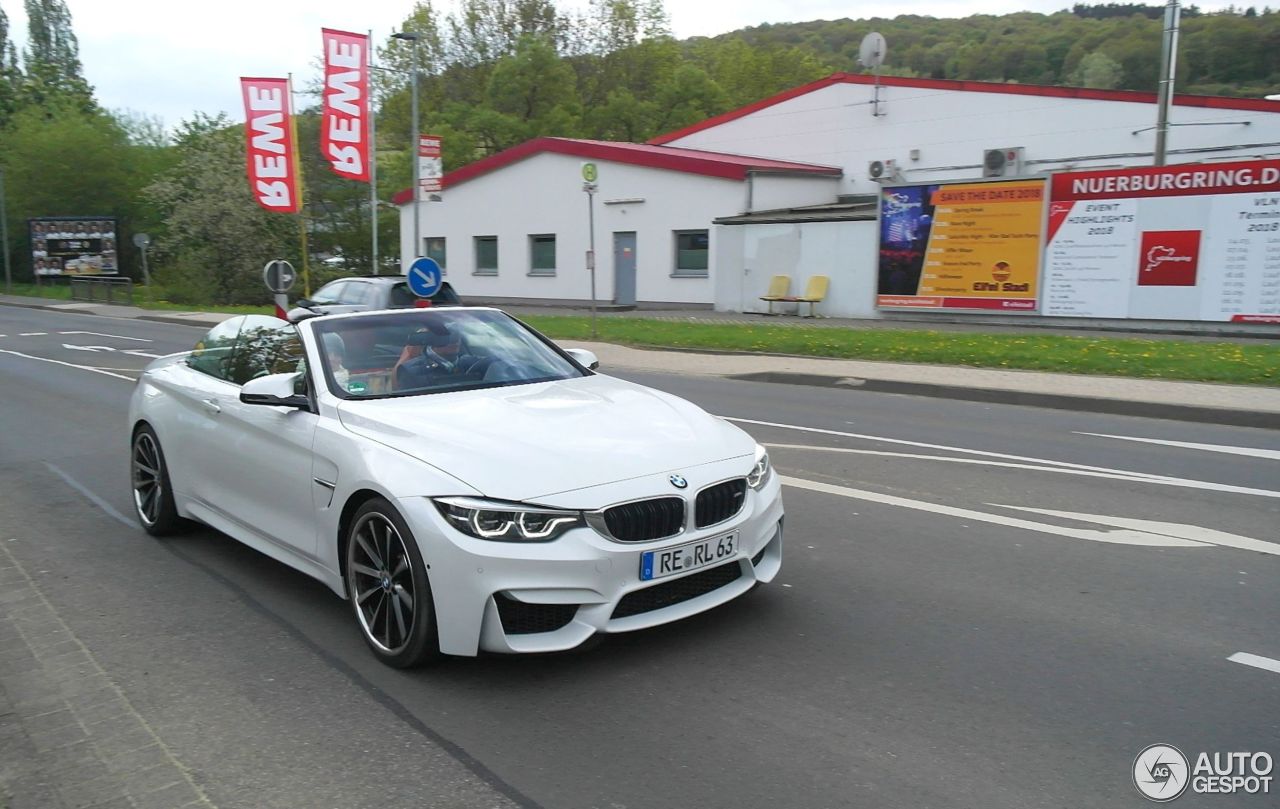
[506, 522]
[759, 474]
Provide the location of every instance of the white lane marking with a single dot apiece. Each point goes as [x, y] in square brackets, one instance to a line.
[1257, 661]
[1210, 536]
[1253, 452]
[33, 334]
[116, 336]
[1119, 537]
[138, 353]
[68, 364]
[924, 445]
[87, 348]
[1116, 474]
[93, 498]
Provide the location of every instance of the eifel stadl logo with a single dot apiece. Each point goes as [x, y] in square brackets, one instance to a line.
[1161, 772]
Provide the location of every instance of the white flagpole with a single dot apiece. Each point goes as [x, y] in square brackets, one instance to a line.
[373, 161]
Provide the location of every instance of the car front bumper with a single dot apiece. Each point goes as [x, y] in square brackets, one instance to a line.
[552, 596]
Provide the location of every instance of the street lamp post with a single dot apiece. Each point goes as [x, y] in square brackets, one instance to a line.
[412, 38]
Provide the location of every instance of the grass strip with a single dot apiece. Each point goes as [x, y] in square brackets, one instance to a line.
[141, 300]
[1242, 364]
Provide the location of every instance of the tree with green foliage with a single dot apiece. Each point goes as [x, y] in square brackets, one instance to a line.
[52, 58]
[10, 73]
[1098, 71]
[216, 239]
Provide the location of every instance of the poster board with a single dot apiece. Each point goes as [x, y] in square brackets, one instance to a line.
[73, 245]
[973, 245]
[1188, 242]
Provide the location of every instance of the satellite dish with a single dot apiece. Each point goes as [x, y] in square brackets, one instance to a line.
[872, 50]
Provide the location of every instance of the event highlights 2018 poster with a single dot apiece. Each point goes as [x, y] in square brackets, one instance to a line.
[961, 245]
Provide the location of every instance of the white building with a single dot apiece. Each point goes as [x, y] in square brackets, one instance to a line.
[514, 226]
[785, 185]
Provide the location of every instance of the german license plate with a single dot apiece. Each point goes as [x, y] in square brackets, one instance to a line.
[683, 558]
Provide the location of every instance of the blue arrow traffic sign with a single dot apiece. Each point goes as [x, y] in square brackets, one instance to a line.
[425, 277]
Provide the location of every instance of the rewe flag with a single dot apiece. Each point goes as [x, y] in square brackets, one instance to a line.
[344, 125]
[272, 159]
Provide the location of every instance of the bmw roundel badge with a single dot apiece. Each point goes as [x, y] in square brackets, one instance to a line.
[678, 481]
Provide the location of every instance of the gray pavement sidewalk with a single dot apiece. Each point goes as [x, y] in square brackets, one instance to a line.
[1241, 405]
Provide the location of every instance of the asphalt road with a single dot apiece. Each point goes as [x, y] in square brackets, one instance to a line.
[980, 606]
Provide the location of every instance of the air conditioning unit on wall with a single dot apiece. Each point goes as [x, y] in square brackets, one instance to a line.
[1006, 162]
[884, 171]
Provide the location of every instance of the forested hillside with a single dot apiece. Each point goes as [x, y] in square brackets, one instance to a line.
[1110, 46]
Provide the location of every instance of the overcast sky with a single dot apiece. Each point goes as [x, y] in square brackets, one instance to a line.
[169, 58]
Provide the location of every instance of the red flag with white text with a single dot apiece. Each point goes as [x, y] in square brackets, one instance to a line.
[272, 159]
[344, 120]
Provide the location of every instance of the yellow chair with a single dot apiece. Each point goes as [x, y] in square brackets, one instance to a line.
[779, 286]
[814, 293]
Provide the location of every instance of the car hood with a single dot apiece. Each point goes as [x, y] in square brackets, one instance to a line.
[528, 441]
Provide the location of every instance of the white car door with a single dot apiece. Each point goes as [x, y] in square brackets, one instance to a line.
[258, 459]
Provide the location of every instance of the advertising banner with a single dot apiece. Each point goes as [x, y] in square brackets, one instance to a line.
[73, 245]
[344, 127]
[1189, 242]
[272, 159]
[430, 167]
[961, 245]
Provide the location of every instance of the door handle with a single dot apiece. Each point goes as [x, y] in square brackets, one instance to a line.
[211, 405]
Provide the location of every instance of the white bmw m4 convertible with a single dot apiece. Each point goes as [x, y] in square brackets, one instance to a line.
[462, 481]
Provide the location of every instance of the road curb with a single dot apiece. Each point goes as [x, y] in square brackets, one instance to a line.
[177, 321]
[1116, 407]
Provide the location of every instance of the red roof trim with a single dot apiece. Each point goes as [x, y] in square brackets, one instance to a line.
[1131, 96]
[691, 161]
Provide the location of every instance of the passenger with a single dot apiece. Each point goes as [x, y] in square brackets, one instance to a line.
[335, 350]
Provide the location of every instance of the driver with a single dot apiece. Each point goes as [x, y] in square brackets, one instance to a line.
[426, 357]
[432, 355]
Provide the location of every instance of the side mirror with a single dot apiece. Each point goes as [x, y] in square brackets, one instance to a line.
[276, 390]
[585, 358]
[304, 302]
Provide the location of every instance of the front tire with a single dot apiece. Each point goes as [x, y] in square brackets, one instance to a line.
[152, 494]
[388, 588]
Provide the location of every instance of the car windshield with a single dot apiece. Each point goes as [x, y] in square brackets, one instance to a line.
[423, 351]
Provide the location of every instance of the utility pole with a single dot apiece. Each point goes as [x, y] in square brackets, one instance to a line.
[1168, 72]
[412, 38]
[4, 237]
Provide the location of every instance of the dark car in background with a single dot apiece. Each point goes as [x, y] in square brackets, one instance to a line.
[358, 294]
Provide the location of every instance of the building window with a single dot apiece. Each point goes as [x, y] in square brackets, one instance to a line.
[692, 248]
[435, 248]
[486, 255]
[542, 254]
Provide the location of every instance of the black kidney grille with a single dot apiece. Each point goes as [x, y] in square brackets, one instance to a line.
[677, 591]
[718, 503]
[519, 618]
[645, 519]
